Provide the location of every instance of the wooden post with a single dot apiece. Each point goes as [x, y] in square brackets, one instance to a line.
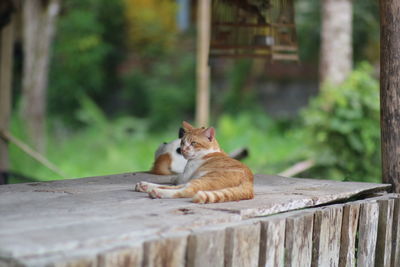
[390, 91]
[202, 69]
[6, 66]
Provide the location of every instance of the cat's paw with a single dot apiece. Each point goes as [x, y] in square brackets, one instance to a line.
[155, 193]
[142, 187]
[200, 197]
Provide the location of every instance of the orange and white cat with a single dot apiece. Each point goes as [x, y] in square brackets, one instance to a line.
[210, 175]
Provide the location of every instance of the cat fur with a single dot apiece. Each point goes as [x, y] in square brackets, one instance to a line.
[210, 175]
[169, 160]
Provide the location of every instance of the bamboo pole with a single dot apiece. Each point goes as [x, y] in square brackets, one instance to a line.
[202, 68]
[6, 66]
[297, 168]
[390, 91]
[31, 152]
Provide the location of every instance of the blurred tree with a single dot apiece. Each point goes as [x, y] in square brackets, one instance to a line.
[336, 60]
[39, 19]
[365, 29]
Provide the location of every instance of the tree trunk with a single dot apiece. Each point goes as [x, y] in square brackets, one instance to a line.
[203, 70]
[336, 59]
[39, 21]
[390, 91]
[6, 66]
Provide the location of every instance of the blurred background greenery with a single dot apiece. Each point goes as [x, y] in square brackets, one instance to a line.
[122, 78]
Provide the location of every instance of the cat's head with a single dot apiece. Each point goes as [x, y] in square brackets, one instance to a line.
[197, 142]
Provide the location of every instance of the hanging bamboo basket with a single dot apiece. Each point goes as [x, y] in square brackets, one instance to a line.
[254, 29]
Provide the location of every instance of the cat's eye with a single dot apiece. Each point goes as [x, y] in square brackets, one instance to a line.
[193, 143]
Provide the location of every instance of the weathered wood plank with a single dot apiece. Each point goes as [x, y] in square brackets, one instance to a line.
[384, 239]
[283, 194]
[349, 229]
[165, 251]
[368, 231]
[242, 245]
[121, 257]
[298, 240]
[272, 244]
[79, 213]
[326, 236]
[395, 260]
[81, 262]
[206, 248]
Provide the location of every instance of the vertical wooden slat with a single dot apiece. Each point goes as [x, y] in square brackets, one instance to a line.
[206, 248]
[121, 257]
[202, 68]
[395, 260]
[326, 236]
[298, 240]
[89, 261]
[368, 231]
[242, 245]
[384, 239]
[6, 67]
[390, 91]
[349, 229]
[272, 244]
[169, 252]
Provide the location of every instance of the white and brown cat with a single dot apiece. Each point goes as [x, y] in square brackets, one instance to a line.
[210, 175]
[168, 158]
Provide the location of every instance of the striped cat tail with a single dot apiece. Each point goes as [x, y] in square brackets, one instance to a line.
[241, 192]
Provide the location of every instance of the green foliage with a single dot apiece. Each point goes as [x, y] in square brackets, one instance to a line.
[366, 30]
[151, 26]
[343, 126]
[272, 148]
[84, 51]
[308, 26]
[126, 144]
[170, 85]
[136, 89]
[102, 147]
[172, 90]
[239, 97]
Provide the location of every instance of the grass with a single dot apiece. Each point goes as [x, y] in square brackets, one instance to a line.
[126, 145]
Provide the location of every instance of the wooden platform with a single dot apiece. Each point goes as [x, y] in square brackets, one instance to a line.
[101, 221]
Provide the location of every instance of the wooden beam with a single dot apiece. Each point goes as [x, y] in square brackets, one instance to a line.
[390, 91]
[203, 70]
[6, 67]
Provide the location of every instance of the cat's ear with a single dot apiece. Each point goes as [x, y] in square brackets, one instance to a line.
[210, 133]
[187, 126]
[181, 132]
